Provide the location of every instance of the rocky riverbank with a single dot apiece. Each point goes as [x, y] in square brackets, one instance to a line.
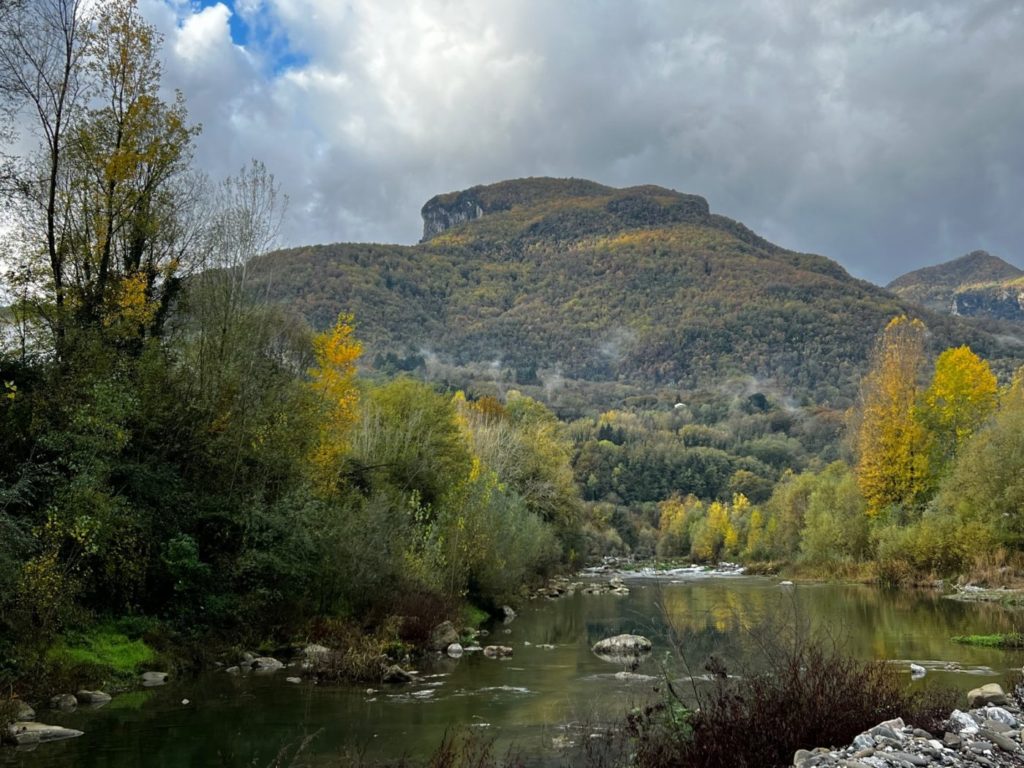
[987, 734]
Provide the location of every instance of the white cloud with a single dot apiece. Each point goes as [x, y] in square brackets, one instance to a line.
[884, 136]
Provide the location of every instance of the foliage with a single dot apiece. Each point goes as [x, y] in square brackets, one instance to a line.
[102, 651]
[986, 484]
[332, 381]
[960, 398]
[891, 443]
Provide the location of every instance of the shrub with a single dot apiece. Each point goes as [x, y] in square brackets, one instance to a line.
[807, 694]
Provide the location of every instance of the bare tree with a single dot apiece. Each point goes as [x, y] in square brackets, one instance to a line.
[42, 45]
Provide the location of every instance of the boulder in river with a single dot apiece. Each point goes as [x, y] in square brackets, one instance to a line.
[63, 701]
[266, 664]
[507, 614]
[24, 713]
[991, 693]
[917, 671]
[455, 650]
[620, 645]
[497, 651]
[150, 679]
[26, 734]
[442, 636]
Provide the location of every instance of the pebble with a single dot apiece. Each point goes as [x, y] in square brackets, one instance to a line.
[987, 736]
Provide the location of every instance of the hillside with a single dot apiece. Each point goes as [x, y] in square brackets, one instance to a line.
[543, 281]
[938, 287]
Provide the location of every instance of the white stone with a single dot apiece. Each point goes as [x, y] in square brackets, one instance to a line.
[961, 722]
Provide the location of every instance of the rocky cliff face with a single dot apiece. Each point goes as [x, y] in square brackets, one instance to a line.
[443, 212]
[1001, 302]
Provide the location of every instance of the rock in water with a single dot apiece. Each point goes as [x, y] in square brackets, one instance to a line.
[63, 701]
[622, 645]
[395, 674]
[455, 650]
[24, 713]
[266, 664]
[992, 693]
[25, 734]
[150, 679]
[917, 671]
[442, 636]
[497, 651]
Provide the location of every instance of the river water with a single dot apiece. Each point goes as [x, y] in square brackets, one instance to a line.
[538, 698]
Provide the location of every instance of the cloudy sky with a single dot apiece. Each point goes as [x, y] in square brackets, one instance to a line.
[884, 135]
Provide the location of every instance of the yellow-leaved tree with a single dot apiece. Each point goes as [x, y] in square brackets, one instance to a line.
[963, 394]
[333, 383]
[891, 442]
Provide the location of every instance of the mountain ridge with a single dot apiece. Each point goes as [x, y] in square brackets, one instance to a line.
[640, 288]
[977, 284]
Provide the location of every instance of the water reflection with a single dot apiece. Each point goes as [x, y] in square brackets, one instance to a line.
[552, 679]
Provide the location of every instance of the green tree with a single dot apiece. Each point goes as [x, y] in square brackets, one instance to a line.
[986, 484]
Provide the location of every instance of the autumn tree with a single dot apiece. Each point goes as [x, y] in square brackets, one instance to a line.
[102, 199]
[891, 446]
[962, 395]
[332, 381]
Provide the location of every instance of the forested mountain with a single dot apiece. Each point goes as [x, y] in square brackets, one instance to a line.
[538, 280]
[975, 285]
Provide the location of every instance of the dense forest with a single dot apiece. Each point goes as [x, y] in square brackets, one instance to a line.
[185, 461]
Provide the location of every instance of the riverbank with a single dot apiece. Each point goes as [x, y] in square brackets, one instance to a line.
[989, 734]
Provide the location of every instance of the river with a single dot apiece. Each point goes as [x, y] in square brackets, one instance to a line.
[537, 698]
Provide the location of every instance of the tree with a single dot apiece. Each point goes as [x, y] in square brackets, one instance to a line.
[892, 459]
[332, 382]
[42, 48]
[986, 484]
[962, 395]
[101, 198]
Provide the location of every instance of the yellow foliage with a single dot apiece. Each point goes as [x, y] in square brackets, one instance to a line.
[962, 395]
[133, 308]
[892, 459]
[333, 383]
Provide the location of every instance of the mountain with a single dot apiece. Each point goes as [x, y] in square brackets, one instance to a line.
[969, 286]
[619, 292]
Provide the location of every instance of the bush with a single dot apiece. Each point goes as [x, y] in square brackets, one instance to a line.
[104, 649]
[807, 694]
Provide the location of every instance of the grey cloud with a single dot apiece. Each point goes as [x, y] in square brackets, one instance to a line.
[887, 138]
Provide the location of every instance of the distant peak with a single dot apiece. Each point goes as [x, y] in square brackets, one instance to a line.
[974, 267]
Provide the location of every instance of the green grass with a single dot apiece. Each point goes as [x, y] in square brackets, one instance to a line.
[473, 616]
[1010, 640]
[101, 649]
